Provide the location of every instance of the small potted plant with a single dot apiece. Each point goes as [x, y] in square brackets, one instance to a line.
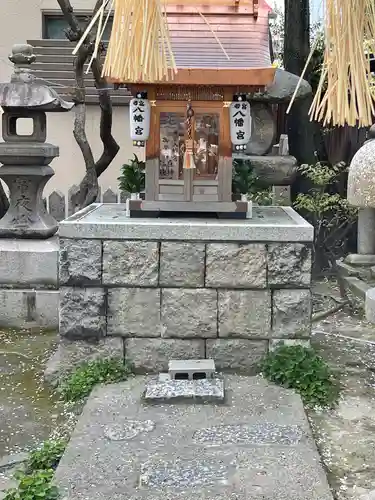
[243, 183]
[243, 180]
[132, 178]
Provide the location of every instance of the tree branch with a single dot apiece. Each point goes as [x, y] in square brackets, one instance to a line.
[80, 110]
[4, 202]
[110, 146]
[89, 188]
[70, 18]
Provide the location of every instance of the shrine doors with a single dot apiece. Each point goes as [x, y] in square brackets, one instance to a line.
[166, 179]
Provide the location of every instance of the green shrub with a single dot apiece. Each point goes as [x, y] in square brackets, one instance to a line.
[132, 178]
[102, 371]
[300, 368]
[47, 457]
[35, 486]
[328, 210]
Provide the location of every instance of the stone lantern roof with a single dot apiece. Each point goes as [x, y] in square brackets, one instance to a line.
[361, 178]
[27, 92]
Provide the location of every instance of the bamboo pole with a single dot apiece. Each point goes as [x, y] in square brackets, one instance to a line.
[99, 35]
[89, 27]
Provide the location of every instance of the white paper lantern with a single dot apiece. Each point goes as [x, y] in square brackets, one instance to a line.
[240, 124]
[139, 110]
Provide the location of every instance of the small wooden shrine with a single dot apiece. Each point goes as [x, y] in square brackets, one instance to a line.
[190, 123]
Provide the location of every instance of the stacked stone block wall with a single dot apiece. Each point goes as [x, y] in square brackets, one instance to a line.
[175, 299]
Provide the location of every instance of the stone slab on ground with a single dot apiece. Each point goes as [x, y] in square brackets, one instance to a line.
[345, 435]
[13, 460]
[162, 389]
[257, 446]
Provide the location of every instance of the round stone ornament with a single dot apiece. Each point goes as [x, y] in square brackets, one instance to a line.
[361, 178]
[263, 129]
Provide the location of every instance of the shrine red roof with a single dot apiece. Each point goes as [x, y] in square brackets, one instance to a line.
[244, 36]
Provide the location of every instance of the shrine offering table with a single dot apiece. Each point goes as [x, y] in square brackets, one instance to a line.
[185, 288]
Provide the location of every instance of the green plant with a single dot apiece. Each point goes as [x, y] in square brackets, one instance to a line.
[47, 456]
[101, 371]
[244, 177]
[35, 486]
[262, 197]
[328, 211]
[245, 181]
[300, 368]
[132, 178]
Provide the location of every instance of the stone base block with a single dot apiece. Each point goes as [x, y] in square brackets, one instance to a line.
[356, 287]
[291, 313]
[153, 355]
[29, 308]
[27, 263]
[345, 269]
[237, 355]
[82, 313]
[70, 354]
[186, 288]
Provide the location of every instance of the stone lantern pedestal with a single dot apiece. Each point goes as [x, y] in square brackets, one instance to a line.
[26, 171]
[28, 247]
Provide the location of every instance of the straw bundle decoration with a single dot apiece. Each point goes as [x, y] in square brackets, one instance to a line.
[139, 47]
[345, 91]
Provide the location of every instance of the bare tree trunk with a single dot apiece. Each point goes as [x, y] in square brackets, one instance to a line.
[88, 189]
[301, 130]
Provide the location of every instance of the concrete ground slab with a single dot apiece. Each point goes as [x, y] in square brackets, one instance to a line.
[256, 446]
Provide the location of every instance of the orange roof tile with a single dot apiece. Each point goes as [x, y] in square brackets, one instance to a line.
[244, 38]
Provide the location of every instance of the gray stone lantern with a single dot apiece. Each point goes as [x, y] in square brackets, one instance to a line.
[26, 158]
[361, 193]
